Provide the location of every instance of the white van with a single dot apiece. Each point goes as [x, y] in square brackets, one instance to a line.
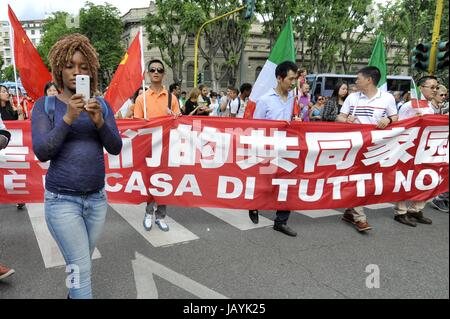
[323, 84]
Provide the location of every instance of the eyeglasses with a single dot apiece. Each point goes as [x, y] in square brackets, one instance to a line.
[430, 87]
[159, 70]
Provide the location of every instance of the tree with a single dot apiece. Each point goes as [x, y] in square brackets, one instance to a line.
[54, 28]
[8, 73]
[168, 30]
[227, 36]
[103, 26]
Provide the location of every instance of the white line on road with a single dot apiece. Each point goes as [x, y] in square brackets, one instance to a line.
[49, 249]
[144, 269]
[379, 206]
[134, 215]
[238, 218]
[319, 213]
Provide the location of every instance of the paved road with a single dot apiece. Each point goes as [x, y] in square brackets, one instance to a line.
[214, 253]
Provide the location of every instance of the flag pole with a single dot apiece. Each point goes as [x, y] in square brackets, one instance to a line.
[11, 41]
[141, 40]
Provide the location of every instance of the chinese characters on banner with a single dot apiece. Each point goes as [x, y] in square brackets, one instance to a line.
[250, 164]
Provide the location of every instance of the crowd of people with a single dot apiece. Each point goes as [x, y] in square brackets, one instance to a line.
[76, 204]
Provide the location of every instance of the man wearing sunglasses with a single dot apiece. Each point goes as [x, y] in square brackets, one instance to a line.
[411, 215]
[159, 102]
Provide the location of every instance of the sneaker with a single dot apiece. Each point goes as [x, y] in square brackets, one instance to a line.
[148, 221]
[441, 205]
[162, 224]
[5, 271]
[418, 216]
[362, 226]
[20, 206]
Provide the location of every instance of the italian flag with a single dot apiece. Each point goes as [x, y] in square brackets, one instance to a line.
[284, 50]
[378, 59]
[417, 98]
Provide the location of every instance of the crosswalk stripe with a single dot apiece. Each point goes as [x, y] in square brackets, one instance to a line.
[237, 218]
[49, 249]
[134, 215]
[319, 213]
[380, 206]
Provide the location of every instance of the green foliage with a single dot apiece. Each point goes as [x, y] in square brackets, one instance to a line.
[168, 29]
[101, 24]
[54, 28]
[8, 73]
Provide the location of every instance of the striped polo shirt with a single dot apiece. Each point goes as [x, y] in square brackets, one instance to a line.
[369, 111]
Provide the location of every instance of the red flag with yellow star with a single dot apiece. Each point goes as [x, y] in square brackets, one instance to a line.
[33, 72]
[128, 77]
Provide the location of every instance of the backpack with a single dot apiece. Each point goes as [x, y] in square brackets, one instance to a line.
[50, 103]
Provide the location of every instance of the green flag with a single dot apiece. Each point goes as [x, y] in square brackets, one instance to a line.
[378, 59]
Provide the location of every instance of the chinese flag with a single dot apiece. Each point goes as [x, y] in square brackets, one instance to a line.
[33, 72]
[128, 77]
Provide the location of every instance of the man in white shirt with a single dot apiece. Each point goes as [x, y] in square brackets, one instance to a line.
[238, 109]
[409, 215]
[428, 86]
[278, 104]
[372, 106]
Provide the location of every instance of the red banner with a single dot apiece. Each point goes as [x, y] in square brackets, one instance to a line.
[252, 164]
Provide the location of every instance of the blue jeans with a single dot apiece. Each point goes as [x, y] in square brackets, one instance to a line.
[76, 223]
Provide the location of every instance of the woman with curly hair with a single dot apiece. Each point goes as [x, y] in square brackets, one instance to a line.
[72, 136]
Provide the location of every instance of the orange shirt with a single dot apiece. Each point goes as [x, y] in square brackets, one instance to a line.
[157, 104]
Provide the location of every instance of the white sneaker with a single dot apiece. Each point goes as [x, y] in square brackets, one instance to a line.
[162, 224]
[148, 221]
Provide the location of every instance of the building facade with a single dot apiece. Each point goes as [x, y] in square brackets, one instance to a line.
[33, 29]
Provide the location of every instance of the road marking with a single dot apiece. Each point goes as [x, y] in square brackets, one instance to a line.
[134, 215]
[49, 249]
[380, 206]
[238, 218]
[319, 213]
[144, 270]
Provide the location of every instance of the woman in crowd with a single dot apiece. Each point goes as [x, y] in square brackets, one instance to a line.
[72, 136]
[333, 107]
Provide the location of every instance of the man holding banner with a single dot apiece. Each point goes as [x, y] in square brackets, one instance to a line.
[428, 86]
[278, 104]
[373, 106]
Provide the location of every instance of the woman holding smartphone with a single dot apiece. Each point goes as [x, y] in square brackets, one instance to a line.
[72, 137]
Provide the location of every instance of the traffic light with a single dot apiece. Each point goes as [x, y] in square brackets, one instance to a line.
[421, 56]
[199, 78]
[250, 7]
[442, 55]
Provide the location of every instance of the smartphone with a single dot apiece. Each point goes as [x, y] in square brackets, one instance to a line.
[83, 87]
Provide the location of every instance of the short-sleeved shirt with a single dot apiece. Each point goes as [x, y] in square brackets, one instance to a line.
[157, 104]
[237, 106]
[272, 107]
[369, 111]
[407, 111]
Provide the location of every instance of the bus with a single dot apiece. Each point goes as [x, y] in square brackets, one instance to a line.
[323, 84]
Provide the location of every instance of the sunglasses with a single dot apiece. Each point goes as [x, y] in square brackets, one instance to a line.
[443, 95]
[320, 98]
[159, 70]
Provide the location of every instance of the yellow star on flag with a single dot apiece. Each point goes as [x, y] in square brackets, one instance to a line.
[125, 58]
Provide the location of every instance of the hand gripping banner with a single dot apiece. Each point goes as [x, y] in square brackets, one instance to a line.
[253, 164]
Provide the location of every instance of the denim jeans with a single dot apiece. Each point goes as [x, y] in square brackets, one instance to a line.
[76, 223]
